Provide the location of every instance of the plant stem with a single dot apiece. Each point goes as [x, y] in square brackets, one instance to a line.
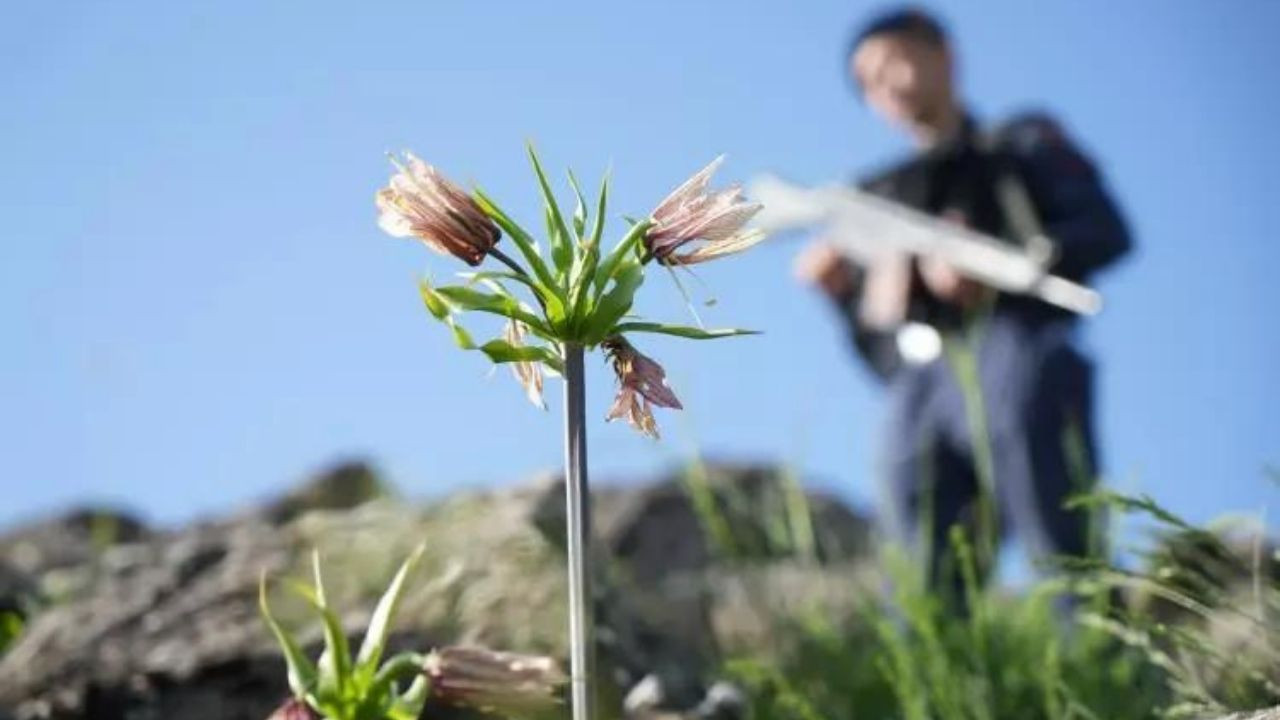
[578, 526]
[503, 258]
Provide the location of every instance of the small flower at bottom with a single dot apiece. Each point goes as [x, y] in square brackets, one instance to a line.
[420, 202]
[294, 709]
[642, 382]
[692, 213]
[507, 683]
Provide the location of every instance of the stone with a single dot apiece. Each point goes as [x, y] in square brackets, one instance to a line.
[164, 623]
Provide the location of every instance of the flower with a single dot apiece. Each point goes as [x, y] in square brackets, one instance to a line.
[294, 709]
[507, 683]
[528, 373]
[642, 382]
[692, 213]
[420, 202]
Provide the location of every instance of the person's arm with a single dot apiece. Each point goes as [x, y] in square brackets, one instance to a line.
[1074, 207]
[842, 283]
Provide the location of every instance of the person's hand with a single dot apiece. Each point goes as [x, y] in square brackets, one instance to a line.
[823, 266]
[942, 279]
[946, 283]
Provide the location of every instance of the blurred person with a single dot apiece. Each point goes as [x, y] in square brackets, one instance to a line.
[1022, 181]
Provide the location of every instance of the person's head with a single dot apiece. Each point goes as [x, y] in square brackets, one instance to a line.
[902, 65]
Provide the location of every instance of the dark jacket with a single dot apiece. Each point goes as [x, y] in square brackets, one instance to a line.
[1068, 196]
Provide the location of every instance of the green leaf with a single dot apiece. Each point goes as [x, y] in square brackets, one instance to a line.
[620, 252]
[379, 697]
[468, 298]
[583, 302]
[409, 705]
[597, 228]
[335, 640]
[614, 303]
[435, 305]
[301, 672]
[585, 271]
[561, 247]
[375, 639]
[579, 210]
[580, 282]
[683, 331]
[554, 306]
[524, 241]
[460, 335]
[501, 351]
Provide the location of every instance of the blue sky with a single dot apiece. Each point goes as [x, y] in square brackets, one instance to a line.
[199, 309]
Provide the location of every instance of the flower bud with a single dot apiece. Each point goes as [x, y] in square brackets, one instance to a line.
[420, 202]
[501, 682]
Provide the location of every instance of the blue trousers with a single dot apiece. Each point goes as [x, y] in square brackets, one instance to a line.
[1037, 403]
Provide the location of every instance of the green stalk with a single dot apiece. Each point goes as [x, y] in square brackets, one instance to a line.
[578, 526]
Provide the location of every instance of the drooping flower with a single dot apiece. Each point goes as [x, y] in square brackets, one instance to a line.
[294, 709]
[641, 384]
[420, 202]
[692, 213]
[528, 373]
[509, 684]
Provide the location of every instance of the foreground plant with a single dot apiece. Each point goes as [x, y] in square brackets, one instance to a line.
[339, 686]
[574, 298]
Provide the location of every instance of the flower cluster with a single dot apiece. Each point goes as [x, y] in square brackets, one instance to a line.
[576, 294]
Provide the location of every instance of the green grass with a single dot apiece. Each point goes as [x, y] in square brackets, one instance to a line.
[10, 628]
[1163, 652]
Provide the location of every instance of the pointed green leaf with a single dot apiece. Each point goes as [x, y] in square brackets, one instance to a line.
[620, 252]
[461, 337]
[329, 684]
[301, 672]
[317, 578]
[597, 228]
[335, 640]
[435, 305]
[501, 351]
[554, 307]
[581, 303]
[683, 331]
[615, 302]
[380, 698]
[409, 705]
[375, 639]
[579, 210]
[468, 298]
[524, 241]
[561, 248]
[584, 272]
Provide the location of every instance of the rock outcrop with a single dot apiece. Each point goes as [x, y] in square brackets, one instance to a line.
[126, 621]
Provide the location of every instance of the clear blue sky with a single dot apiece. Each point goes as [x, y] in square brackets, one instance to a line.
[199, 310]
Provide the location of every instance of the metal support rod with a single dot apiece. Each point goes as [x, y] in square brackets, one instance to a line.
[578, 526]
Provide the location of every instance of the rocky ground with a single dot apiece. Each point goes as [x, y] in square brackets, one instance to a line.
[128, 621]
